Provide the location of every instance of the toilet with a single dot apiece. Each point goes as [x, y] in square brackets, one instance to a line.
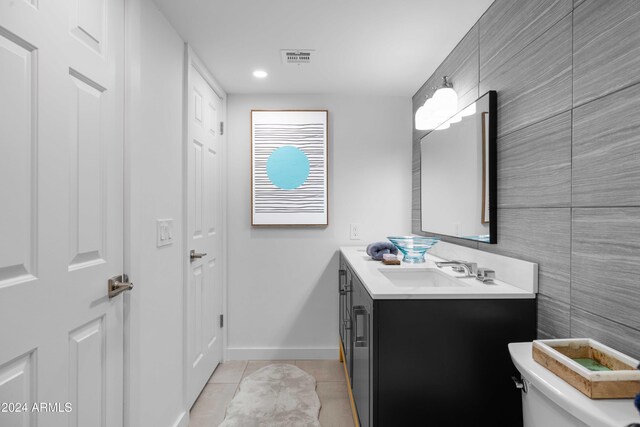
[548, 401]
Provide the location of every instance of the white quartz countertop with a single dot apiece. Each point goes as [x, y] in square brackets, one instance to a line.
[370, 273]
[593, 412]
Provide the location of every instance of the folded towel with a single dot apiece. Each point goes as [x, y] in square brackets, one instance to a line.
[377, 249]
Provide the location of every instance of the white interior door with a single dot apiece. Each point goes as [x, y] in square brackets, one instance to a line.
[61, 221]
[204, 237]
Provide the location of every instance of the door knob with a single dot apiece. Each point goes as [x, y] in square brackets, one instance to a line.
[195, 255]
[118, 284]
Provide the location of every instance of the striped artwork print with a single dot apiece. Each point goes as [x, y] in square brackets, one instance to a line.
[289, 168]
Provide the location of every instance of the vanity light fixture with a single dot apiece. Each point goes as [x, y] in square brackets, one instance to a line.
[438, 108]
[469, 111]
[261, 74]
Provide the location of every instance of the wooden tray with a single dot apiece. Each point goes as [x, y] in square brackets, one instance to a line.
[622, 381]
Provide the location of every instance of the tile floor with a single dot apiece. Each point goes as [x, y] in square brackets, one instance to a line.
[209, 409]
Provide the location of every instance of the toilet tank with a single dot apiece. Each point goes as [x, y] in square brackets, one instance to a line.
[547, 400]
[540, 411]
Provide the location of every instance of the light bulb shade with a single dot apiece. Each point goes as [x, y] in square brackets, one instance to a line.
[439, 116]
[429, 106]
[442, 106]
[446, 100]
[423, 116]
[420, 118]
[430, 124]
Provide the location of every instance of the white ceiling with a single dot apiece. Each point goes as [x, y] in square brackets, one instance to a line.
[375, 46]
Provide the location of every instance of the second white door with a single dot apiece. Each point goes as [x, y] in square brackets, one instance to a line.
[204, 237]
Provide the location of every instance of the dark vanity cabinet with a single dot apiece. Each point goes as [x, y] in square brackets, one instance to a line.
[356, 327]
[362, 351]
[345, 291]
[432, 362]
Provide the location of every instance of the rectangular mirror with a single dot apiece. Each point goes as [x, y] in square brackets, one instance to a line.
[459, 174]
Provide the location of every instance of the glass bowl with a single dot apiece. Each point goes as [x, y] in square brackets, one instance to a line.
[413, 247]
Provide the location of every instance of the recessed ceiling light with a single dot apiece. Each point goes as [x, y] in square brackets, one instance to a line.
[261, 74]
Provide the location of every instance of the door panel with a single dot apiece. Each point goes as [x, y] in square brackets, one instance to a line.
[361, 337]
[204, 288]
[17, 382]
[61, 181]
[18, 246]
[348, 341]
[342, 275]
[87, 352]
[87, 22]
[209, 298]
[196, 315]
[211, 196]
[86, 175]
[195, 205]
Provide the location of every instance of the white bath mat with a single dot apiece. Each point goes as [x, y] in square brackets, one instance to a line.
[277, 395]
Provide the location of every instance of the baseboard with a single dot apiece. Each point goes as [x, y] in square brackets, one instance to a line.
[182, 420]
[282, 353]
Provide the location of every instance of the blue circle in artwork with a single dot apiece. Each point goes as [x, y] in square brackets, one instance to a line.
[288, 167]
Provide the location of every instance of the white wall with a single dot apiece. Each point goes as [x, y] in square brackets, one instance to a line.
[282, 282]
[155, 55]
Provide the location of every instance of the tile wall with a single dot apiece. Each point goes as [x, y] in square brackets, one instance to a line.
[567, 73]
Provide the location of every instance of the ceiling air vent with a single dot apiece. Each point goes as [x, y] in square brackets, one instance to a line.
[296, 56]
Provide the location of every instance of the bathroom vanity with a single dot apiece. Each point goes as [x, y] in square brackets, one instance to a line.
[423, 346]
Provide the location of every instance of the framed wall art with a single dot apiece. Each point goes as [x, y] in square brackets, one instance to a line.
[289, 167]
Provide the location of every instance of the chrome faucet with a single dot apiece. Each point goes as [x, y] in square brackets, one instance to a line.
[469, 268]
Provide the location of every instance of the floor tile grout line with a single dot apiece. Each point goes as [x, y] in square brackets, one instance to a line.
[246, 364]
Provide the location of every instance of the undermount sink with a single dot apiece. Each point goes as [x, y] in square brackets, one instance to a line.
[423, 277]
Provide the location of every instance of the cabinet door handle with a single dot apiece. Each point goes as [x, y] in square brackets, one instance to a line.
[360, 340]
[344, 289]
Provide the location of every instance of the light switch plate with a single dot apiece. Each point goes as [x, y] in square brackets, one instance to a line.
[164, 231]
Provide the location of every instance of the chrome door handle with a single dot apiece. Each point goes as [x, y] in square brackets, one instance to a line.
[360, 340]
[195, 255]
[118, 284]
